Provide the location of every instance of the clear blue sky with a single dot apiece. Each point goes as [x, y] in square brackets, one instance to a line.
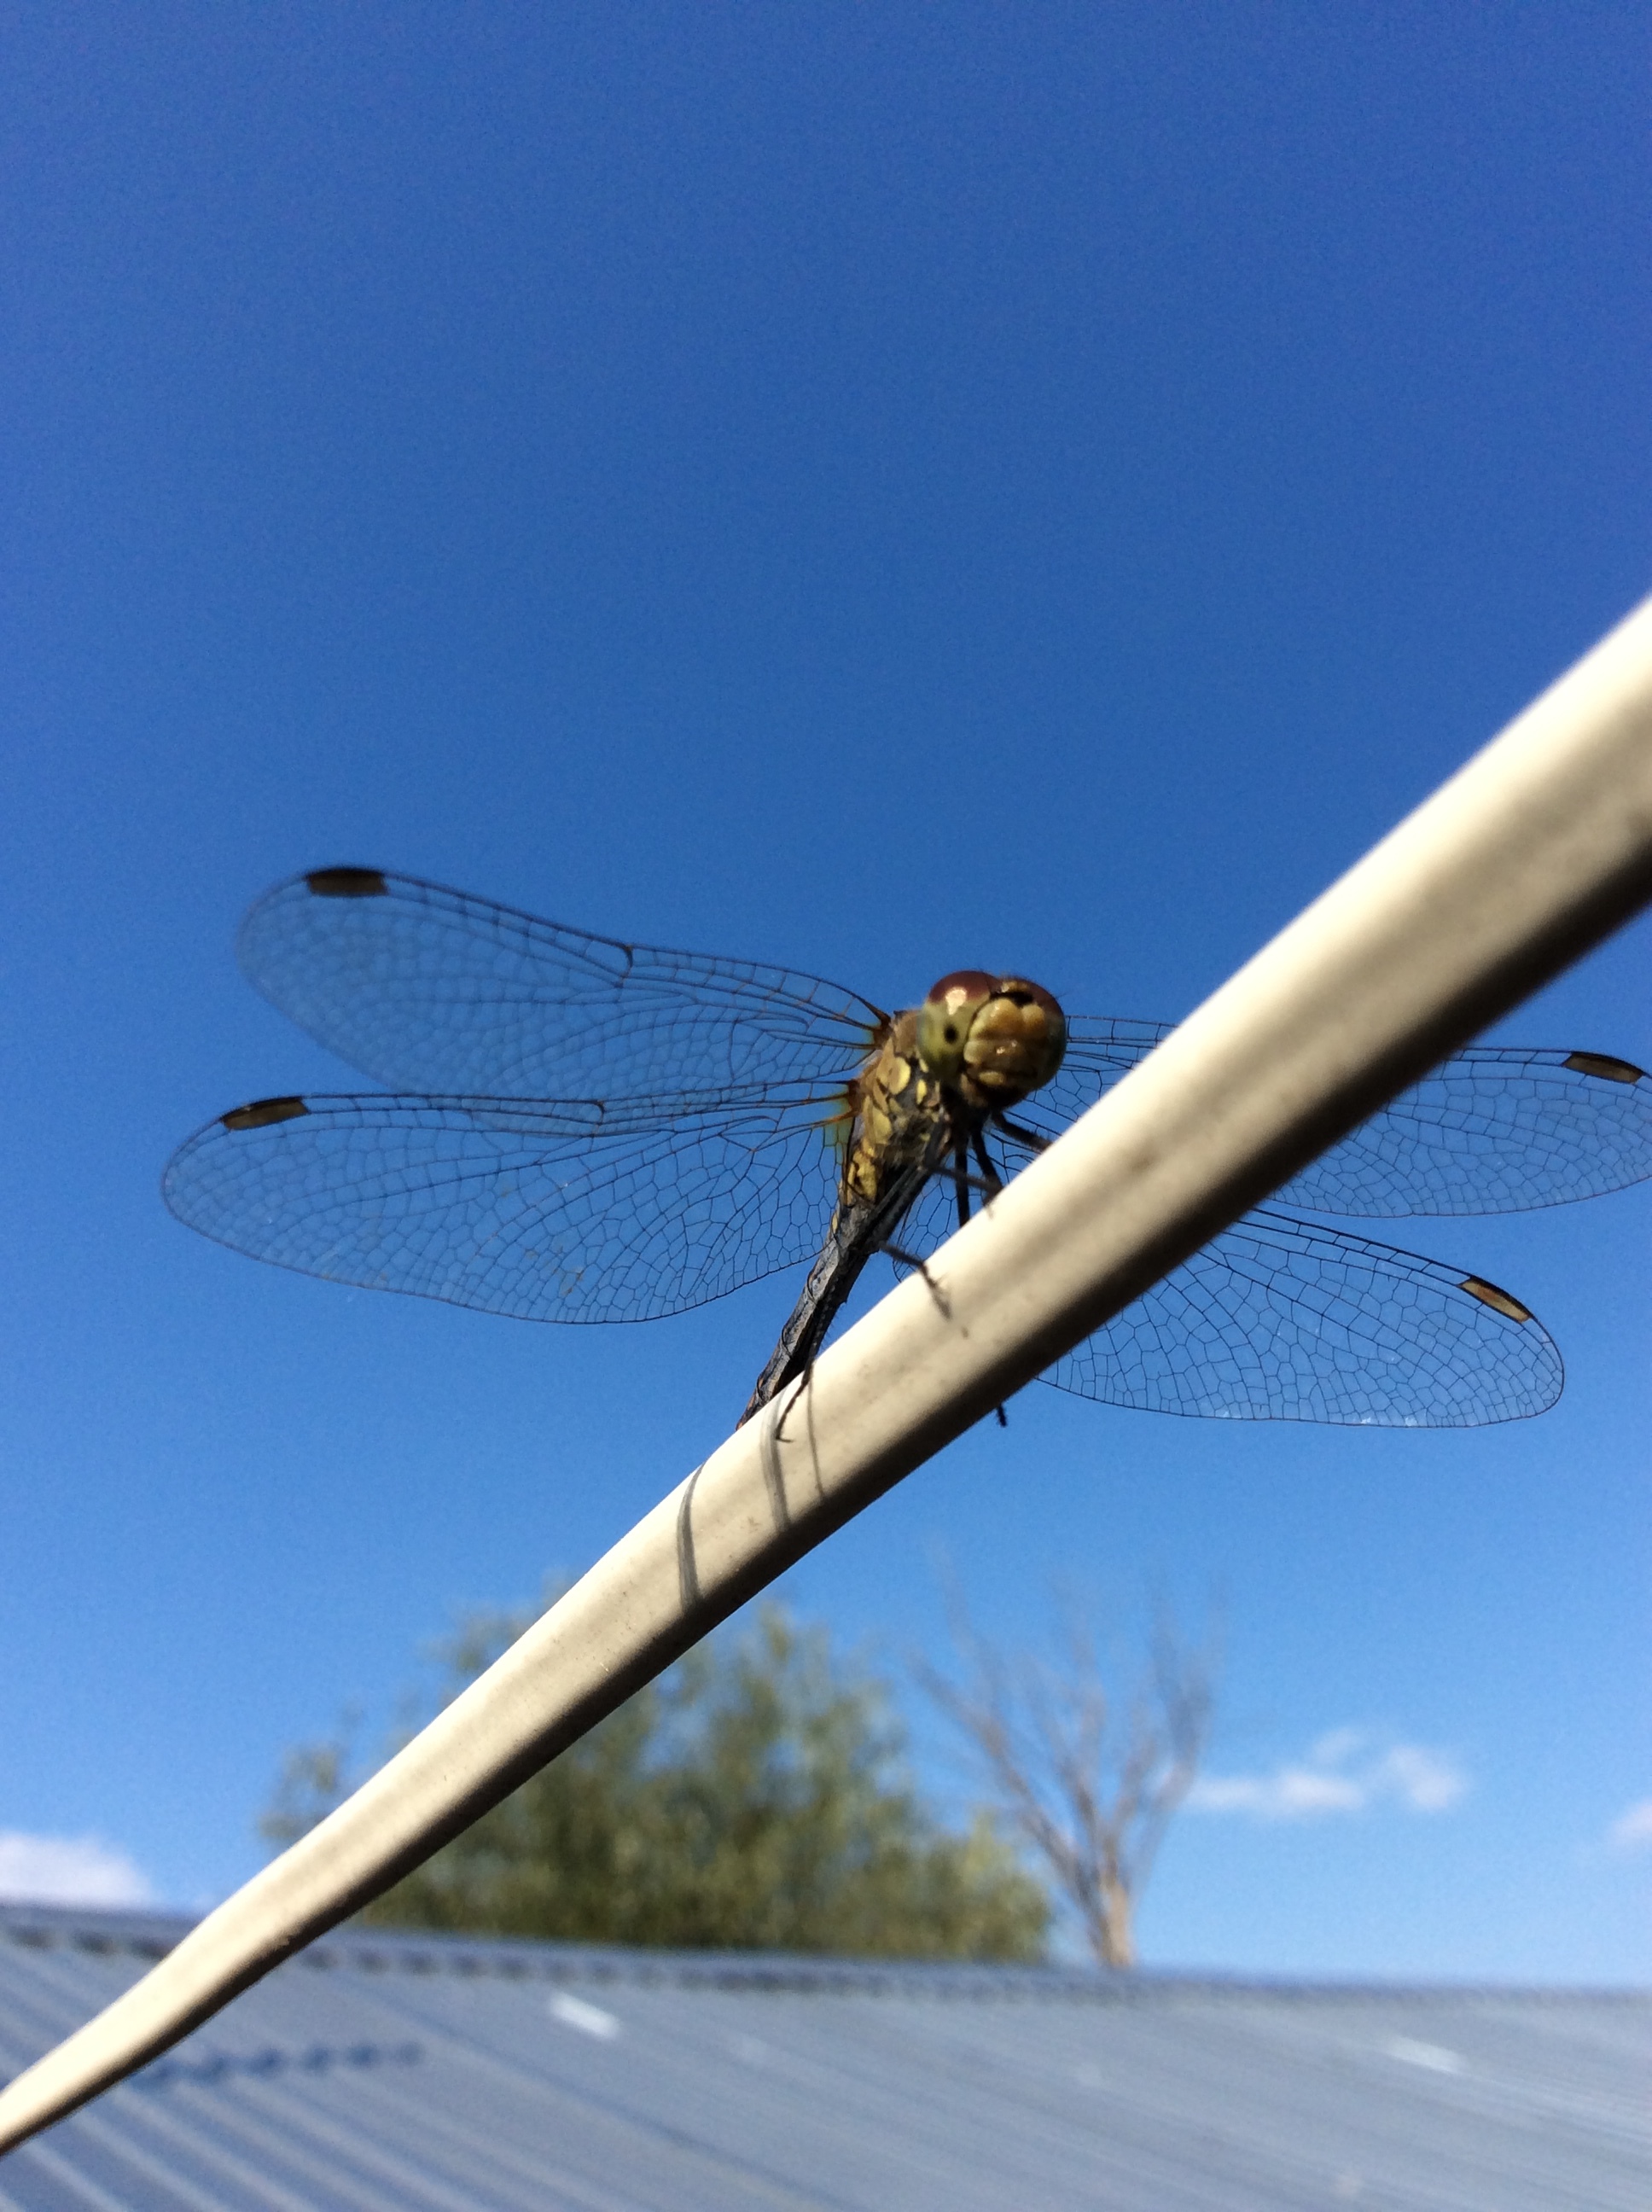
[876, 489]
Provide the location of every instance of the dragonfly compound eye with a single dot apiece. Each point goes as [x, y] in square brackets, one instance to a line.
[946, 1017]
[993, 1038]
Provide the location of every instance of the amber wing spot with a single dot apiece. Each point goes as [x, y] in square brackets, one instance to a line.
[264, 1112]
[346, 883]
[1603, 1065]
[1499, 1301]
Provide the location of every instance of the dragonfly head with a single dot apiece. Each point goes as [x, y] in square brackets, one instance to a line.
[990, 1038]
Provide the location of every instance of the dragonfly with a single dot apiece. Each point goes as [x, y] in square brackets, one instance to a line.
[572, 1129]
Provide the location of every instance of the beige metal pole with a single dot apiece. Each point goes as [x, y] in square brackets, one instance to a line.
[1538, 848]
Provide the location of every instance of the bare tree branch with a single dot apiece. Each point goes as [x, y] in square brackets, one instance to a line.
[1090, 1783]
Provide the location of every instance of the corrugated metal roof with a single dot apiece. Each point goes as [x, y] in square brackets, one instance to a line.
[377, 2071]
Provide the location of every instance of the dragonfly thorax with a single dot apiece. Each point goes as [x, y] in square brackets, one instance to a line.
[895, 1104]
[990, 1040]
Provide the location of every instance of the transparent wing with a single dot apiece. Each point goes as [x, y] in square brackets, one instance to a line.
[425, 990]
[1280, 1320]
[1276, 1320]
[1497, 1129]
[1100, 1049]
[1494, 1130]
[554, 1212]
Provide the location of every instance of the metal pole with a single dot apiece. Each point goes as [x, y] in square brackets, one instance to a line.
[1533, 852]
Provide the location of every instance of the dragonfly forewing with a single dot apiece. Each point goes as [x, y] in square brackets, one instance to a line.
[1494, 1130]
[1497, 1129]
[428, 989]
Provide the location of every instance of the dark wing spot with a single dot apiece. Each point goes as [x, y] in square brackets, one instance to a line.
[346, 883]
[1603, 1065]
[1499, 1301]
[264, 1112]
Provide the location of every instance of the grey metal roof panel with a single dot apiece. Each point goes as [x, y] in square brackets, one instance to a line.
[382, 2070]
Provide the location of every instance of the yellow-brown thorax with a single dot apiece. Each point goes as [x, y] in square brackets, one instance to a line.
[979, 1044]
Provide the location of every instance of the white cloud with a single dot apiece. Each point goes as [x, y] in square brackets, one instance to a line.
[1347, 1771]
[1290, 1793]
[1423, 1781]
[1632, 1831]
[68, 1870]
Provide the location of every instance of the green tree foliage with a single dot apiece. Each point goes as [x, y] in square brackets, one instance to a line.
[753, 1798]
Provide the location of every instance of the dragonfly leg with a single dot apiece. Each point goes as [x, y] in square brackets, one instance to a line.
[972, 1181]
[1030, 1138]
[984, 1159]
[987, 1180]
[994, 1187]
[905, 1258]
